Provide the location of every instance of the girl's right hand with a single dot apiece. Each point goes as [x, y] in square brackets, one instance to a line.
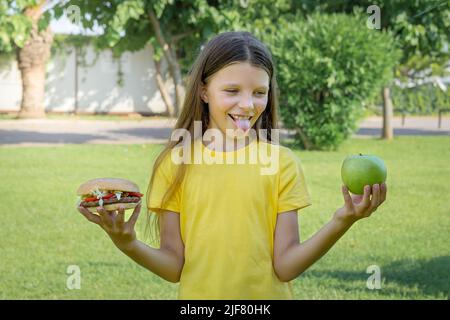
[113, 222]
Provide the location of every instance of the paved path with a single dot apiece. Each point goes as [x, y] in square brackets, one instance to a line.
[59, 132]
[372, 126]
[34, 132]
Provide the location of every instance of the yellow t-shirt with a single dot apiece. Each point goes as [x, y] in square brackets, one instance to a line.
[228, 214]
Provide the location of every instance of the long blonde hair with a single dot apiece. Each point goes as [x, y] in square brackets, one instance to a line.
[224, 49]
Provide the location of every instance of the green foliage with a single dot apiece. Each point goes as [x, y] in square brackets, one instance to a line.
[126, 23]
[421, 27]
[127, 26]
[218, 16]
[13, 31]
[328, 66]
[44, 21]
[15, 27]
[421, 100]
[185, 24]
[63, 41]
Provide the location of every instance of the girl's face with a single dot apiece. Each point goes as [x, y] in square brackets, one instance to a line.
[237, 95]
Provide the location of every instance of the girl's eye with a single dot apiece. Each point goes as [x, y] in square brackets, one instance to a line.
[234, 91]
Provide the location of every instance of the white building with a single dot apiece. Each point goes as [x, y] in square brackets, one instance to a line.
[97, 85]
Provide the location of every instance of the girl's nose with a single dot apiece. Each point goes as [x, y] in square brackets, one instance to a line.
[247, 103]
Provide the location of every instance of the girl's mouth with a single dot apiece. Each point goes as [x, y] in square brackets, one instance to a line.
[242, 123]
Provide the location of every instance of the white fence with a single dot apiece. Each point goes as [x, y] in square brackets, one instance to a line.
[96, 82]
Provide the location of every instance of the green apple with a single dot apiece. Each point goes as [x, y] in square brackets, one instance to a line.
[360, 170]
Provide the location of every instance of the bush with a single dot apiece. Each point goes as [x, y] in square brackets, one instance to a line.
[328, 66]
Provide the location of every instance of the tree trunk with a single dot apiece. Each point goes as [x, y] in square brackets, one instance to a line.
[162, 89]
[306, 142]
[388, 132]
[171, 60]
[179, 88]
[32, 60]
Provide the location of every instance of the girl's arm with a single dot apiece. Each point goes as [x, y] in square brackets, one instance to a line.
[166, 264]
[291, 258]
[167, 261]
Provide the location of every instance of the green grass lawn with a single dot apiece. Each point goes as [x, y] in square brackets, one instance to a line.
[42, 234]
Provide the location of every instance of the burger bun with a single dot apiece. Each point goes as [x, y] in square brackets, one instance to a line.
[107, 184]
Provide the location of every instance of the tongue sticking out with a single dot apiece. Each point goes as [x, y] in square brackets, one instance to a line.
[242, 124]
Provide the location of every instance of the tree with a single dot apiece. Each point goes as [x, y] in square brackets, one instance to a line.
[24, 29]
[132, 24]
[420, 28]
[175, 29]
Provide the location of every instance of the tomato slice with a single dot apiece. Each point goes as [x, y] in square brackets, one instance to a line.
[135, 194]
[110, 195]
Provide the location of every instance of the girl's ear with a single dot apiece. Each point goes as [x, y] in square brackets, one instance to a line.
[203, 94]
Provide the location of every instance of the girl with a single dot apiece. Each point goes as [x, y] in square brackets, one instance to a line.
[226, 230]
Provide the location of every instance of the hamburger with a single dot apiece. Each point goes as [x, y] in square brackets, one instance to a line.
[111, 193]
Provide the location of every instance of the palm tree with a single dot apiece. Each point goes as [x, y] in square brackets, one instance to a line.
[32, 60]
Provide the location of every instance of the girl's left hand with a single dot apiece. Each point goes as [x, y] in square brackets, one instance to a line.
[361, 206]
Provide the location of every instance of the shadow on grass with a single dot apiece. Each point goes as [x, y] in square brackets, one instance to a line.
[430, 277]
